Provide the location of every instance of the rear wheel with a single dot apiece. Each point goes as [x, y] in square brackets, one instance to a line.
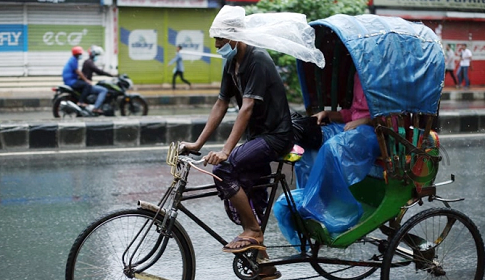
[136, 106]
[98, 252]
[59, 112]
[436, 243]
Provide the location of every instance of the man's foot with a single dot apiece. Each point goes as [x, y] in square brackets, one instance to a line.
[270, 276]
[242, 244]
[98, 111]
[82, 104]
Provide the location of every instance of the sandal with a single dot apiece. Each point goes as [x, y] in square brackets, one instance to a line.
[275, 275]
[253, 244]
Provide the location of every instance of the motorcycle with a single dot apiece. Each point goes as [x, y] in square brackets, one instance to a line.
[64, 102]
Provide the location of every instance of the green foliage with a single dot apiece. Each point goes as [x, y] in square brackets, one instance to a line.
[314, 10]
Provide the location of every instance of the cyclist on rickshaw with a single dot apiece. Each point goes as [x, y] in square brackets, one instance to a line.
[251, 76]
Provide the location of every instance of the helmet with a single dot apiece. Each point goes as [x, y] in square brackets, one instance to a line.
[77, 50]
[95, 50]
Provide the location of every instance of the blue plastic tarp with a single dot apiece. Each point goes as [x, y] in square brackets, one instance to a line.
[400, 63]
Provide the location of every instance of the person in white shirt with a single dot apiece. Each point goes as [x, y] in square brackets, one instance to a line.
[465, 59]
[450, 63]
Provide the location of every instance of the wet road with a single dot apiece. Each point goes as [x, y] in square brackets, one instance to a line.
[47, 199]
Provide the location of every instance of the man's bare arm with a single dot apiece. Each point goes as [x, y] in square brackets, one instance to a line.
[240, 125]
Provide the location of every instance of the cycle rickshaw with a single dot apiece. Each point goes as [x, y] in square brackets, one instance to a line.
[401, 67]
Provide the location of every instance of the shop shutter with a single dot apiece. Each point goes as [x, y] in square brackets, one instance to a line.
[12, 43]
[55, 29]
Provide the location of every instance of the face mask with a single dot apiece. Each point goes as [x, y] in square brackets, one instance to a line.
[227, 52]
[95, 58]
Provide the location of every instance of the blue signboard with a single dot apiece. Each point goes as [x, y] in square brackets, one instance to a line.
[13, 38]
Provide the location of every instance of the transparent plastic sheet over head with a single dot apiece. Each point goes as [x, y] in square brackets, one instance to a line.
[287, 33]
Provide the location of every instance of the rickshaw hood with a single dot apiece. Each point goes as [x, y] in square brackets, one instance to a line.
[400, 63]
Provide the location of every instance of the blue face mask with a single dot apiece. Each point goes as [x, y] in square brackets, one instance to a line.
[95, 58]
[227, 52]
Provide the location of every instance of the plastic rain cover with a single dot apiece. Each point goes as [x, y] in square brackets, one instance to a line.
[287, 33]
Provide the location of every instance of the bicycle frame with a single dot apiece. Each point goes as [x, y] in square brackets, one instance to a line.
[179, 193]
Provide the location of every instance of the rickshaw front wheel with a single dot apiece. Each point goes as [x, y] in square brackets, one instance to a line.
[435, 243]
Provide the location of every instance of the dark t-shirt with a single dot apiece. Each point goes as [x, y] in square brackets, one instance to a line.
[258, 79]
[89, 67]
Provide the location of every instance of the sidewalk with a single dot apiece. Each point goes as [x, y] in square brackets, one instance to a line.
[459, 113]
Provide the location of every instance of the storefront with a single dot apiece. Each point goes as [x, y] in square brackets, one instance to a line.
[456, 22]
[150, 31]
[36, 36]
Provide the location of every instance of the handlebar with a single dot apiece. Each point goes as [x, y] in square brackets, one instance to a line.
[175, 156]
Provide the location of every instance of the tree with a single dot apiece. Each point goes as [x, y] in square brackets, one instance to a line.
[314, 10]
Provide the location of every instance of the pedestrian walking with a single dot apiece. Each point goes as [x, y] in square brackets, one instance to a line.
[450, 63]
[179, 68]
[465, 60]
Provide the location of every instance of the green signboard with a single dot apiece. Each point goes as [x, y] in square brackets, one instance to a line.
[64, 37]
[148, 38]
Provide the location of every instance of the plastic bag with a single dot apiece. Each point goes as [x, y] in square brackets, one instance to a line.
[288, 33]
[286, 221]
[344, 159]
[306, 131]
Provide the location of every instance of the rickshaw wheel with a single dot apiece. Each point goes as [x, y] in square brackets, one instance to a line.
[359, 250]
[435, 243]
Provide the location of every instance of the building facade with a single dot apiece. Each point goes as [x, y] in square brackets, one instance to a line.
[457, 22]
[36, 36]
[140, 36]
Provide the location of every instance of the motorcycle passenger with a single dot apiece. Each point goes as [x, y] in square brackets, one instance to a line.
[88, 68]
[72, 76]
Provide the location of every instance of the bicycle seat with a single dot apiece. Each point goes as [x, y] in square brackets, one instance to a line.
[294, 155]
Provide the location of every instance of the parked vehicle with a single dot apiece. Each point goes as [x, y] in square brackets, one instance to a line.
[65, 100]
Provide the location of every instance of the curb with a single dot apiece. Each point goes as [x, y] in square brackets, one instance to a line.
[153, 130]
[144, 131]
[459, 122]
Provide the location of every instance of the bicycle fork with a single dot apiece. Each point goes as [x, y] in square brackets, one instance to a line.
[164, 229]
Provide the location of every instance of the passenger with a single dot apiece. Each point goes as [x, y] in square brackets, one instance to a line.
[348, 151]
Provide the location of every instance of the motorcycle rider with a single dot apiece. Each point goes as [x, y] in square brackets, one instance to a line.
[71, 74]
[88, 68]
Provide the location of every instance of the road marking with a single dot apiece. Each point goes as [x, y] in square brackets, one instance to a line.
[105, 150]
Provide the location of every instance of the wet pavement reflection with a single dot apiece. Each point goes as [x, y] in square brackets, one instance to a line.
[46, 200]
